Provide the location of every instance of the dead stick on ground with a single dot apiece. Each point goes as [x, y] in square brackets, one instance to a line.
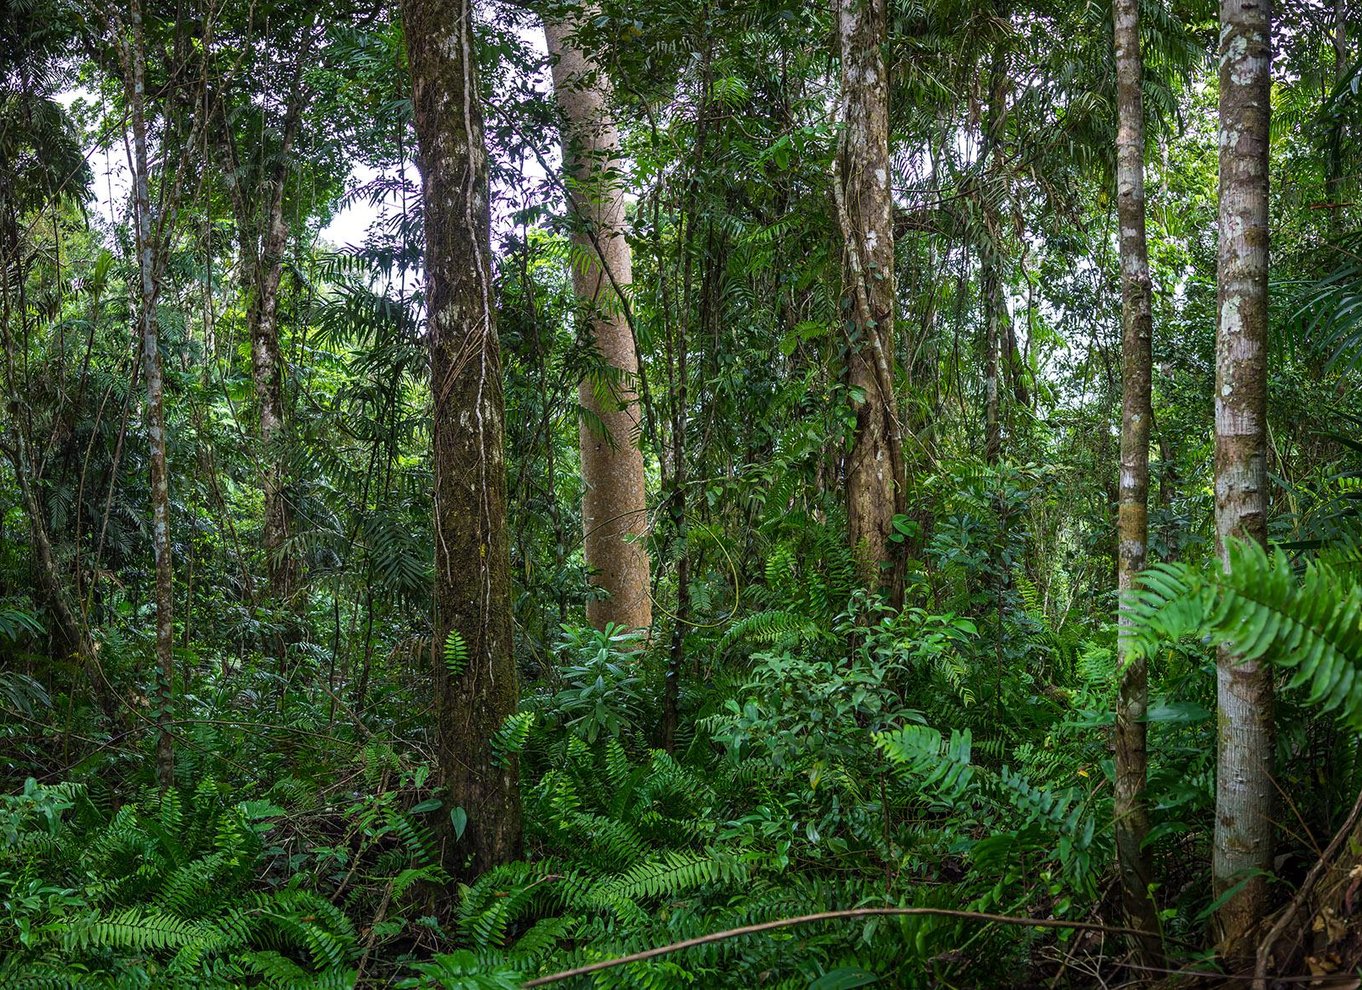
[1297, 902]
[805, 919]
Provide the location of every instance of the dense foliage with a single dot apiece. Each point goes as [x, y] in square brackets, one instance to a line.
[831, 749]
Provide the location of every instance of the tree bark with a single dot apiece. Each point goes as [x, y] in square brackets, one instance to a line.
[267, 370]
[875, 486]
[472, 560]
[262, 235]
[1243, 827]
[614, 510]
[1132, 761]
[145, 239]
[993, 316]
[1333, 157]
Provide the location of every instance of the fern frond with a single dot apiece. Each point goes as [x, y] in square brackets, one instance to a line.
[1260, 610]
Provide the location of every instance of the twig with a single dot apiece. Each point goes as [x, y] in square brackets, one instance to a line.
[804, 919]
[1306, 887]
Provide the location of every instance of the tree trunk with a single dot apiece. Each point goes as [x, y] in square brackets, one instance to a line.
[993, 316]
[267, 370]
[145, 239]
[1132, 761]
[1243, 825]
[1333, 155]
[72, 630]
[262, 234]
[997, 328]
[473, 696]
[875, 487]
[614, 510]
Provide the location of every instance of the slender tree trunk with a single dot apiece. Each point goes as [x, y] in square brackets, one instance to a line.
[262, 234]
[1244, 791]
[267, 370]
[993, 316]
[72, 630]
[614, 510]
[997, 329]
[1333, 157]
[1137, 328]
[875, 486]
[472, 559]
[145, 238]
[1168, 481]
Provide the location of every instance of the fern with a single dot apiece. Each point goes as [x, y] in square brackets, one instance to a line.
[510, 739]
[937, 767]
[1259, 609]
[455, 654]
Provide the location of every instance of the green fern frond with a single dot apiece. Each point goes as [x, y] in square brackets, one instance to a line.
[939, 769]
[510, 739]
[772, 626]
[1260, 610]
[455, 654]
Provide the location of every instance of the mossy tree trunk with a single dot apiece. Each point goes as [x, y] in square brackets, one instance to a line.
[473, 695]
[1137, 328]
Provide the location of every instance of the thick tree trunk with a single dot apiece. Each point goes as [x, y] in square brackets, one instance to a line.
[473, 697]
[149, 290]
[1132, 761]
[614, 510]
[1244, 791]
[875, 468]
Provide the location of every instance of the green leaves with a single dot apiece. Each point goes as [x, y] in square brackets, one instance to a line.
[1311, 625]
[455, 654]
[940, 769]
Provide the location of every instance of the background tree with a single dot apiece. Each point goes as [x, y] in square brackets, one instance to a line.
[614, 508]
[1132, 699]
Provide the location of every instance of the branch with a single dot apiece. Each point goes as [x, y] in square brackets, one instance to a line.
[804, 919]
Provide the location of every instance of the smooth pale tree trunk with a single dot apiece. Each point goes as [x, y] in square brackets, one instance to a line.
[472, 557]
[1137, 328]
[614, 510]
[875, 468]
[145, 238]
[1244, 790]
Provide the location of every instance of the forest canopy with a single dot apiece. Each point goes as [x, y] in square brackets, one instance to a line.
[704, 493]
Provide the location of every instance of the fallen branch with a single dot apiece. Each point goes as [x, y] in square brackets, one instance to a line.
[1292, 911]
[805, 919]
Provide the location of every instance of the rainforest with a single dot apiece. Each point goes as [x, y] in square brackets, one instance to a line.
[680, 494]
